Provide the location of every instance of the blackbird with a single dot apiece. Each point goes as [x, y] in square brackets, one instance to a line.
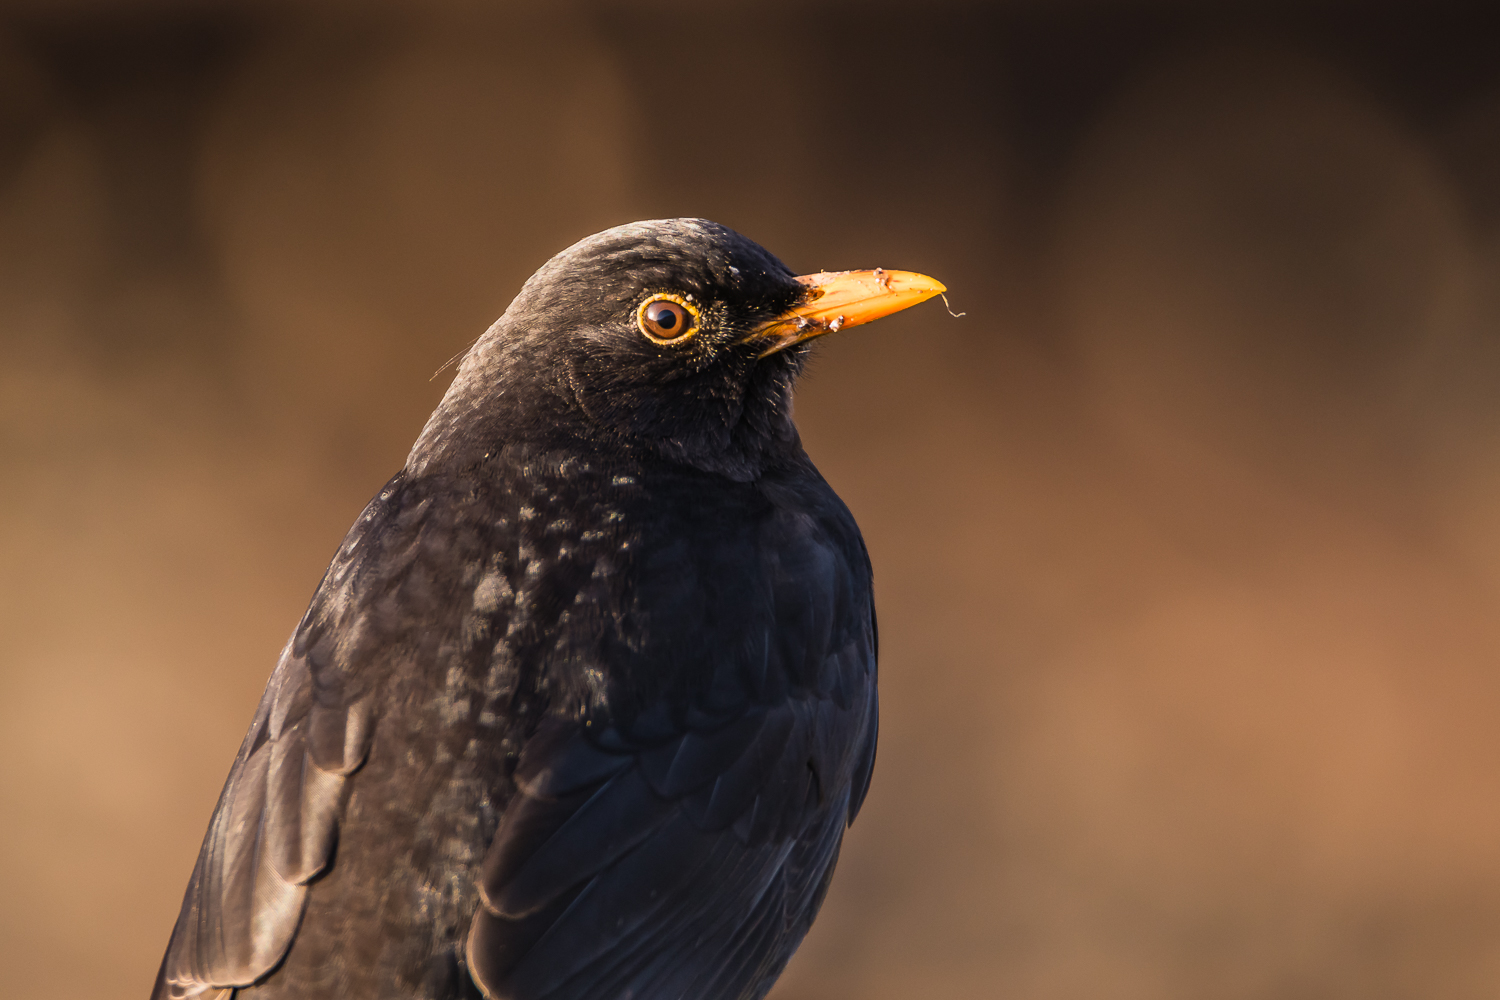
[585, 700]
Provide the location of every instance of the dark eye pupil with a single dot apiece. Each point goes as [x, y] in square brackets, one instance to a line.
[665, 317]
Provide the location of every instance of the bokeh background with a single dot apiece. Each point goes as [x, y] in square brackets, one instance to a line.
[1187, 533]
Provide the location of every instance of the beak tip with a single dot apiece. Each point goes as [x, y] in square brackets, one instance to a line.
[923, 285]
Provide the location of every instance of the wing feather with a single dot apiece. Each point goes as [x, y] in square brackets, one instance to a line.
[631, 867]
[273, 832]
[620, 815]
[276, 823]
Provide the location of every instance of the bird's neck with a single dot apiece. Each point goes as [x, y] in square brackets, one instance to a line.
[465, 431]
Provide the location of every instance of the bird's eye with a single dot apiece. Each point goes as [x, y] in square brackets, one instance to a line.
[667, 319]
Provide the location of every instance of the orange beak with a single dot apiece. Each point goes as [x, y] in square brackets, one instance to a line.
[839, 299]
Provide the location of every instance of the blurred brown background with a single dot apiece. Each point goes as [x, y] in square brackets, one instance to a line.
[1187, 535]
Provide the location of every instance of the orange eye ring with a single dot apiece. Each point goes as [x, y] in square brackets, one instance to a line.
[665, 318]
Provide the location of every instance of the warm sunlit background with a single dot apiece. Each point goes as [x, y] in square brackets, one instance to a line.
[1187, 535]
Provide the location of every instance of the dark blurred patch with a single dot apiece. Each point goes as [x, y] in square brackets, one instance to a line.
[24, 109]
[142, 87]
[1186, 536]
[145, 87]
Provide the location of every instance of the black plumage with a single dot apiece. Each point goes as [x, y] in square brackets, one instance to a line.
[585, 700]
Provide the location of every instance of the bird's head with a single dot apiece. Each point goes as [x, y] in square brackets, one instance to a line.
[677, 337]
